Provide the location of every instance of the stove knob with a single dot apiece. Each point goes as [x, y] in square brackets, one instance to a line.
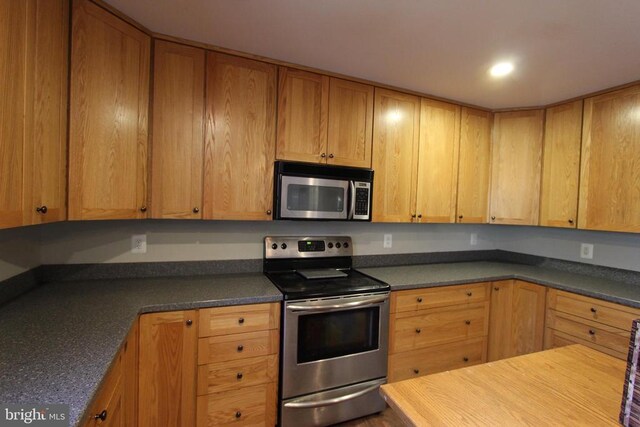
[345, 245]
[338, 245]
[330, 245]
[274, 246]
[283, 246]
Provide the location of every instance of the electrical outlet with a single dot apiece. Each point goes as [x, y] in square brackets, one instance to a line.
[387, 241]
[586, 251]
[474, 239]
[139, 244]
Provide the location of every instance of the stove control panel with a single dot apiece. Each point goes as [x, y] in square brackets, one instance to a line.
[307, 247]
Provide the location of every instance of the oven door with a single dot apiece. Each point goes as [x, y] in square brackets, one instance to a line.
[334, 342]
[313, 198]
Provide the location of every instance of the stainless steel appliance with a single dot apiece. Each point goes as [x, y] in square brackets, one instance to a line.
[310, 191]
[335, 324]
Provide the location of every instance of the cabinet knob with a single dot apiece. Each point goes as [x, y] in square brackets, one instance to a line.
[592, 332]
[102, 416]
[240, 348]
[469, 294]
[493, 218]
[238, 414]
[143, 209]
[418, 330]
[196, 210]
[189, 322]
[593, 310]
[331, 156]
[570, 221]
[466, 359]
[413, 215]
[239, 375]
[467, 322]
[241, 320]
[419, 299]
[323, 155]
[419, 215]
[42, 209]
[460, 216]
[269, 212]
[496, 288]
[416, 371]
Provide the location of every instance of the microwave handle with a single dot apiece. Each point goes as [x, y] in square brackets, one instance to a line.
[352, 199]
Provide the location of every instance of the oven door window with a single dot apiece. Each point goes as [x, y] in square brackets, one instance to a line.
[340, 333]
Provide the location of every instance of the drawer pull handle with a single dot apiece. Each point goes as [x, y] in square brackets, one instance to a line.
[241, 320]
[102, 416]
[418, 330]
[592, 332]
[416, 371]
[189, 322]
[240, 348]
[593, 310]
[466, 359]
[238, 414]
[469, 294]
[496, 288]
[467, 322]
[239, 375]
[419, 299]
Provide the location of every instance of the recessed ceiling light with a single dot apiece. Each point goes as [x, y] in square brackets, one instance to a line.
[501, 69]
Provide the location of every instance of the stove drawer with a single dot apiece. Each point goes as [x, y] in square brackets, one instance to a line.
[426, 298]
[249, 406]
[238, 319]
[238, 346]
[233, 374]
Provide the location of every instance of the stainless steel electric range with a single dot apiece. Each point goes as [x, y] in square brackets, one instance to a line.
[335, 323]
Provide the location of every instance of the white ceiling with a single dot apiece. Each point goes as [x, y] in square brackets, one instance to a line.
[561, 48]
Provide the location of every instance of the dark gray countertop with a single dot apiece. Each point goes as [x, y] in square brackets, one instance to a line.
[58, 341]
[429, 275]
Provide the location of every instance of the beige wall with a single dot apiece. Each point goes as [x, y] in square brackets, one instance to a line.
[19, 251]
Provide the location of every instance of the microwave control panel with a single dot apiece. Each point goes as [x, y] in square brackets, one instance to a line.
[362, 200]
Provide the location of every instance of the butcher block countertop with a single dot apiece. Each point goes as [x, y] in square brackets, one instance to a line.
[571, 385]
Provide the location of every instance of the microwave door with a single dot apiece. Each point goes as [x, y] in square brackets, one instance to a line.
[313, 198]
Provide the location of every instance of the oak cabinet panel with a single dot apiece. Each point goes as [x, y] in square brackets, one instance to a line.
[438, 161]
[516, 167]
[178, 131]
[240, 138]
[474, 165]
[108, 120]
[167, 369]
[561, 165]
[516, 324]
[396, 135]
[610, 175]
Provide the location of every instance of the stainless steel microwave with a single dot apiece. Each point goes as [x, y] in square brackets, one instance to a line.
[306, 191]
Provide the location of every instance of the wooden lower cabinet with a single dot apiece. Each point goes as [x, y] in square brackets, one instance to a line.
[437, 329]
[576, 319]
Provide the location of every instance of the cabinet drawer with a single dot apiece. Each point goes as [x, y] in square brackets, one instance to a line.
[238, 319]
[439, 326]
[555, 339]
[599, 311]
[420, 299]
[232, 374]
[237, 346]
[411, 364]
[248, 406]
[593, 332]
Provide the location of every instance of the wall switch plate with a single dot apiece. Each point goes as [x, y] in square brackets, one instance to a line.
[387, 241]
[139, 244]
[586, 251]
[474, 239]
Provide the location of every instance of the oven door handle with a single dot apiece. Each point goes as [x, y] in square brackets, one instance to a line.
[305, 403]
[331, 305]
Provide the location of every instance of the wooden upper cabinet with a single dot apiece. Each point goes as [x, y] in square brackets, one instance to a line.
[303, 104]
[33, 108]
[516, 167]
[396, 135]
[610, 165]
[561, 165]
[108, 120]
[178, 131]
[438, 161]
[240, 138]
[350, 123]
[474, 165]
[167, 369]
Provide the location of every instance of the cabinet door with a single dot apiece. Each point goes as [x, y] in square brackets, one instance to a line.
[561, 165]
[167, 369]
[474, 165]
[395, 155]
[516, 324]
[178, 131]
[438, 161]
[240, 138]
[610, 169]
[108, 120]
[13, 49]
[303, 104]
[350, 123]
[516, 167]
[45, 185]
